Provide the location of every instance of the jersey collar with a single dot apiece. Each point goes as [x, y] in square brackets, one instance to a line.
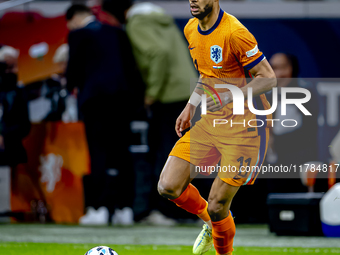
[210, 30]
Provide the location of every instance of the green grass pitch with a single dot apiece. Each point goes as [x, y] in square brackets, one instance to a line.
[18, 248]
[52, 239]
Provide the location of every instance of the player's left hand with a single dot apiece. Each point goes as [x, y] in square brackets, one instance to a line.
[225, 98]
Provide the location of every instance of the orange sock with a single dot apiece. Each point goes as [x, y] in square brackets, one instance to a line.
[191, 201]
[223, 234]
[204, 215]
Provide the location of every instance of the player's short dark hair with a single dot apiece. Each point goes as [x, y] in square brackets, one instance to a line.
[77, 9]
[117, 8]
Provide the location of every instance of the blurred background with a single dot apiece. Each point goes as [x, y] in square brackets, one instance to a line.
[62, 158]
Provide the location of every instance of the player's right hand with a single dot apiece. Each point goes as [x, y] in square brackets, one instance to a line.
[184, 119]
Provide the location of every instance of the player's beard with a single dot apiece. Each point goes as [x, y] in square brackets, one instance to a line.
[207, 9]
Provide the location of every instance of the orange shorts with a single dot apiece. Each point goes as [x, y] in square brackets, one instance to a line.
[240, 157]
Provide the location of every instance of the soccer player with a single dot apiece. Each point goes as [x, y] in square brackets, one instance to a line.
[223, 51]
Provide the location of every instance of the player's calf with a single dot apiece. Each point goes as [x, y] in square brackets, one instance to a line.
[220, 197]
[223, 230]
[223, 226]
[218, 210]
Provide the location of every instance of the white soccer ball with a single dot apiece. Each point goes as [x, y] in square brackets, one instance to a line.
[101, 250]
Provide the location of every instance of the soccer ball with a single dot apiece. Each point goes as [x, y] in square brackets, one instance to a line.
[101, 250]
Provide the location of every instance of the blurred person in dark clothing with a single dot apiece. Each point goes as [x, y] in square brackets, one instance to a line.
[292, 145]
[14, 124]
[162, 56]
[14, 121]
[102, 67]
[56, 87]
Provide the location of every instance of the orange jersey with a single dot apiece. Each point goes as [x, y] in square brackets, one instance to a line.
[224, 49]
[224, 54]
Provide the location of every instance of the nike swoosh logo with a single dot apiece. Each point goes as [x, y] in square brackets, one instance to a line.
[192, 48]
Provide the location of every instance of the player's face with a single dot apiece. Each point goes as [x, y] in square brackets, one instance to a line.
[282, 69]
[201, 8]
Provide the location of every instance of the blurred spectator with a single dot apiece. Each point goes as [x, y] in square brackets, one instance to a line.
[14, 123]
[48, 98]
[163, 59]
[101, 66]
[294, 145]
[61, 57]
[103, 16]
[56, 89]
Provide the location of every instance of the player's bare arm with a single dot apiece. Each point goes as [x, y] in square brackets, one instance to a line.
[264, 80]
[184, 119]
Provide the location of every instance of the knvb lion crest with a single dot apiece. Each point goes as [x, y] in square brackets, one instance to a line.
[216, 54]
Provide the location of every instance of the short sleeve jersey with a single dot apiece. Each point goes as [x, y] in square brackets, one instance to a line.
[226, 51]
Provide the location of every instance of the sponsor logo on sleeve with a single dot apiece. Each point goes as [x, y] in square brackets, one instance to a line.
[252, 52]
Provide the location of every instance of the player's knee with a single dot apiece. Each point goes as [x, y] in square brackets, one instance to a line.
[167, 190]
[217, 210]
